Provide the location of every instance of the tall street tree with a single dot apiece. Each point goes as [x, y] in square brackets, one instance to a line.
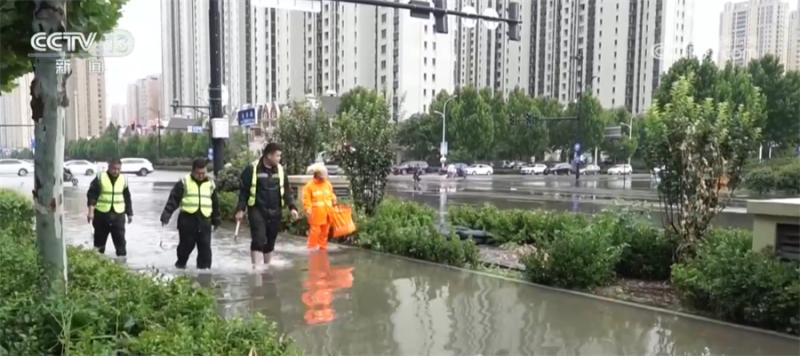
[305, 131]
[782, 92]
[19, 21]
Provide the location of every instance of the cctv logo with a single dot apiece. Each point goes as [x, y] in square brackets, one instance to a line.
[61, 41]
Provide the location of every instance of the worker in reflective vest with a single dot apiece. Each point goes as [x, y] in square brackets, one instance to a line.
[109, 201]
[196, 195]
[264, 192]
[318, 202]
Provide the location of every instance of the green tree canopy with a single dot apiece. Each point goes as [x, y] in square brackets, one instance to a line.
[306, 130]
[782, 92]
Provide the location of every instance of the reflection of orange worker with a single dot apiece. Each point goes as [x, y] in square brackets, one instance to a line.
[319, 287]
[318, 202]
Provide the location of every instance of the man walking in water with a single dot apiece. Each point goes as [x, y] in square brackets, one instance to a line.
[109, 201]
[264, 192]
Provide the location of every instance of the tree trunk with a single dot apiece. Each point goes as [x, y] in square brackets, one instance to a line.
[47, 97]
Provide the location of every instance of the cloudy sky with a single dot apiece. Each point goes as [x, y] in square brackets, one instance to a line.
[142, 19]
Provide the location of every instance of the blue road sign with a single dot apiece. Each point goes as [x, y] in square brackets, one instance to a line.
[195, 129]
[247, 117]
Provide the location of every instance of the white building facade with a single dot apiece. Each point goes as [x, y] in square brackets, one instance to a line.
[753, 29]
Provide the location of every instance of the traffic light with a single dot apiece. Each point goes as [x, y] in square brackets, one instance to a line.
[420, 12]
[440, 18]
[515, 29]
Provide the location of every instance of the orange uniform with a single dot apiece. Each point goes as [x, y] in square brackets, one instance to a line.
[318, 202]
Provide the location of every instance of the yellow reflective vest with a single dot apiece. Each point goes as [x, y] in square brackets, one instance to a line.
[197, 196]
[251, 201]
[111, 194]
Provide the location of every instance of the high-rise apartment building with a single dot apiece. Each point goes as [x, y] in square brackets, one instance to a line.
[86, 89]
[753, 29]
[118, 116]
[15, 109]
[793, 47]
[617, 49]
[144, 106]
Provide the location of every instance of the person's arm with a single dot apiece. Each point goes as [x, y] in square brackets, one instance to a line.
[288, 197]
[244, 187]
[93, 193]
[173, 202]
[307, 199]
[333, 193]
[126, 195]
[215, 213]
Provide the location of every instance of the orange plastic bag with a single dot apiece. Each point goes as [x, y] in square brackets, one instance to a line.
[342, 221]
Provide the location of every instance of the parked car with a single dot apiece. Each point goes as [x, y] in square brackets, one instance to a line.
[140, 166]
[560, 169]
[101, 166]
[479, 169]
[620, 169]
[15, 166]
[409, 167]
[591, 169]
[534, 169]
[79, 166]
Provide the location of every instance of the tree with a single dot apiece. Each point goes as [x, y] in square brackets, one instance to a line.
[782, 92]
[304, 131]
[470, 126]
[704, 79]
[623, 148]
[363, 146]
[699, 144]
[420, 136]
[523, 137]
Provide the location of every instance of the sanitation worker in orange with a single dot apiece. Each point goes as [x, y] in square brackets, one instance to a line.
[318, 203]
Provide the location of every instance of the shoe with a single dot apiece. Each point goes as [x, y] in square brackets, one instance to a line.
[179, 266]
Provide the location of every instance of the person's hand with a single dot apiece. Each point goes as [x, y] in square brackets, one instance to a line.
[295, 215]
[90, 216]
[239, 215]
[130, 219]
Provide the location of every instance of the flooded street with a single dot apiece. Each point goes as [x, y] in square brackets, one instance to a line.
[355, 302]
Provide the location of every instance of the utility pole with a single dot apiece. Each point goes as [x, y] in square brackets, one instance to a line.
[215, 86]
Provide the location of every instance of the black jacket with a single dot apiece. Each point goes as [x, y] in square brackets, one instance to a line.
[174, 202]
[268, 189]
[94, 193]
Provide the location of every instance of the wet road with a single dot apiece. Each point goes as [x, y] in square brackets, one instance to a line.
[356, 302]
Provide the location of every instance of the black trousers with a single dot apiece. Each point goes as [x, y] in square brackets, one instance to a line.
[194, 230]
[109, 223]
[264, 227]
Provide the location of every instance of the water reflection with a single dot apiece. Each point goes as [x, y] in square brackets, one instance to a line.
[320, 285]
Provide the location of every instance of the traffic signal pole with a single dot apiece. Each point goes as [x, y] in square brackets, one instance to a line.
[215, 85]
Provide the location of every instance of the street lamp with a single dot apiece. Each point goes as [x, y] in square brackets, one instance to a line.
[443, 114]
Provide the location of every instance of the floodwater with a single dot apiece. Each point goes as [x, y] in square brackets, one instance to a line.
[354, 302]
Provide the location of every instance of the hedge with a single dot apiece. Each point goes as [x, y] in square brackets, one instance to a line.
[109, 309]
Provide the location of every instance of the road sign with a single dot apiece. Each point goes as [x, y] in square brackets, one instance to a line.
[577, 147]
[247, 117]
[210, 154]
[443, 149]
[194, 129]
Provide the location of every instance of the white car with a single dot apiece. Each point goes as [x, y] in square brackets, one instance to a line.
[591, 169]
[479, 169]
[620, 169]
[140, 166]
[79, 166]
[534, 169]
[15, 166]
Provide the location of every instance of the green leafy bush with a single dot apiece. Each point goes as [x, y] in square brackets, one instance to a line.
[16, 211]
[647, 252]
[109, 309]
[409, 229]
[518, 226]
[782, 175]
[230, 176]
[578, 258]
[227, 204]
[730, 281]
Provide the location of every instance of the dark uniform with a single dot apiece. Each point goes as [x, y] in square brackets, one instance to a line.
[265, 203]
[111, 200]
[199, 212]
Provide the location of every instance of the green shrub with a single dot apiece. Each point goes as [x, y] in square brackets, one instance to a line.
[518, 226]
[227, 204]
[575, 258]
[647, 252]
[111, 310]
[730, 281]
[409, 229]
[781, 175]
[16, 211]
